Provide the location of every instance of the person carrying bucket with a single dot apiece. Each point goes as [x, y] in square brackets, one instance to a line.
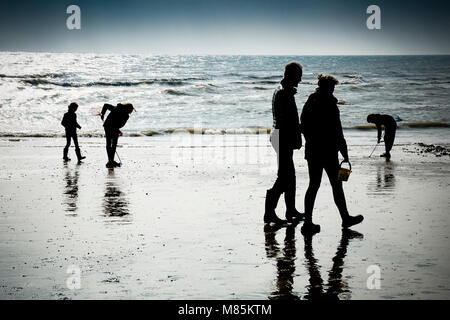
[116, 119]
[321, 126]
[390, 127]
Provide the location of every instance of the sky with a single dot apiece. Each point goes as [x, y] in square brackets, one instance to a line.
[276, 27]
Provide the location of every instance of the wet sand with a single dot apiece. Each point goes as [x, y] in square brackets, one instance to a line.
[182, 219]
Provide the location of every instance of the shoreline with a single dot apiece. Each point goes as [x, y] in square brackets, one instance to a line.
[414, 126]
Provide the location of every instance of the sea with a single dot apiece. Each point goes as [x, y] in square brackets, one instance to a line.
[219, 94]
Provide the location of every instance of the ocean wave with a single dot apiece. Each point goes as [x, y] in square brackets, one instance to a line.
[271, 82]
[419, 125]
[366, 86]
[192, 90]
[352, 79]
[168, 82]
[343, 102]
[352, 76]
[208, 131]
[176, 92]
[426, 125]
[36, 76]
[440, 81]
[207, 87]
[255, 77]
[273, 77]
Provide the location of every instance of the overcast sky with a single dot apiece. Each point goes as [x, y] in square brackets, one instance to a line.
[282, 27]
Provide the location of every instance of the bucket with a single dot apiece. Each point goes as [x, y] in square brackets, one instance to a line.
[343, 173]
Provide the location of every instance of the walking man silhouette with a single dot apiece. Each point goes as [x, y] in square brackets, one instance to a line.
[285, 138]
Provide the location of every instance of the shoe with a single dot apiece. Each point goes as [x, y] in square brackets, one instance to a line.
[386, 155]
[351, 221]
[110, 165]
[79, 156]
[65, 157]
[268, 228]
[294, 216]
[270, 215]
[116, 164]
[310, 228]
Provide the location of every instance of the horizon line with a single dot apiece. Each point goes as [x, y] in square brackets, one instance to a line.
[230, 54]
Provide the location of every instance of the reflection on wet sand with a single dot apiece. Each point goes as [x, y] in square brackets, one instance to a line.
[336, 288]
[115, 203]
[285, 261]
[384, 184]
[71, 190]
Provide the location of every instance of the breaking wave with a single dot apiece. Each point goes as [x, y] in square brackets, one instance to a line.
[170, 82]
[208, 131]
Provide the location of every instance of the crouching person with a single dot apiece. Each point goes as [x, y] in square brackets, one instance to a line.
[117, 118]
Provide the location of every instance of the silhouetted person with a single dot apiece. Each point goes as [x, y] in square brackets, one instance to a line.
[336, 285]
[116, 119]
[321, 126]
[390, 127]
[69, 122]
[285, 260]
[285, 138]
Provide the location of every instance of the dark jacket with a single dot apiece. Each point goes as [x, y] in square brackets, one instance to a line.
[322, 128]
[117, 117]
[389, 123]
[69, 121]
[285, 116]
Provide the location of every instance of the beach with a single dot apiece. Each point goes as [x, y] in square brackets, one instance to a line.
[182, 219]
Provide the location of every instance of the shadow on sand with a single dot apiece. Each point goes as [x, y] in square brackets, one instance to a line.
[115, 203]
[71, 190]
[285, 261]
[384, 183]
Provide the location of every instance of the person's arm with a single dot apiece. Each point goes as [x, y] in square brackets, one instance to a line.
[64, 121]
[279, 113]
[342, 143]
[304, 118]
[76, 123]
[344, 151]
[379, 131]
[106, 107]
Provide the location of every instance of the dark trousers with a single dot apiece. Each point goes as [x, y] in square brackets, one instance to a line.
[112, 136]
[315, 169]
[286, 180]
[389, 136]
[69, 136]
